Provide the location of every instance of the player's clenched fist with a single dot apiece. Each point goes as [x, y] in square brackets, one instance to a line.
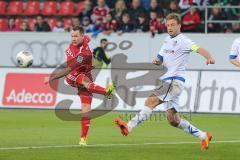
[210, 61]
[157, 62]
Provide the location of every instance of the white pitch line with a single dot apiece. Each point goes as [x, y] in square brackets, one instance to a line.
[111, 145]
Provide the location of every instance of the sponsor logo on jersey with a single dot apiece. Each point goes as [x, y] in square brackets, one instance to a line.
[174, 43]
[79, 59]
[169, 51]
[69, 52]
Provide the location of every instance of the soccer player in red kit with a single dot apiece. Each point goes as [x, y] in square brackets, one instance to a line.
[78, 74]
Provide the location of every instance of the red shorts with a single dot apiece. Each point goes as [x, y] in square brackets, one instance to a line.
[85, 95]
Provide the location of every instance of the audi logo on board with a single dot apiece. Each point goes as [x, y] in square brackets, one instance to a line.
[50, 54]
[46, 54]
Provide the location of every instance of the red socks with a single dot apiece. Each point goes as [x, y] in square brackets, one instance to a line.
[85, 126]
[96, 88]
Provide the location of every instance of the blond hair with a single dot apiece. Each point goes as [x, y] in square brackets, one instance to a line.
[174, 16]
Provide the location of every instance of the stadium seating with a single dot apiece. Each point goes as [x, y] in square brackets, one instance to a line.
[54, 9]
[32, 8]
[49, 8]
[3, 6]
[67, 22]
[52, 22]
[15, 8]
[80, 7]
[18, 22]
[66, 8]
[3, 24]
[31, 22]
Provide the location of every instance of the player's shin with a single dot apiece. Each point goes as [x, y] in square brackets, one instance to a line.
[86, 118]
[85, 126]
[189, 128]
[143, 115]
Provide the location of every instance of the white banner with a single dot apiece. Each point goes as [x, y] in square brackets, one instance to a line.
[219, 92]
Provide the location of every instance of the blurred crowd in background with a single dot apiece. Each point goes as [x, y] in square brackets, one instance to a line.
[120, 16]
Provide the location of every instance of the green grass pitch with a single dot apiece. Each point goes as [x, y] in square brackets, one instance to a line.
[57, 139]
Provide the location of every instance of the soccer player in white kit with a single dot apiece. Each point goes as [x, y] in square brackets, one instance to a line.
[173, 55]
[235, 51]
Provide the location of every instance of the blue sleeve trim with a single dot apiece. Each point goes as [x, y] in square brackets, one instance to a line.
[232, 56]
[160, 57]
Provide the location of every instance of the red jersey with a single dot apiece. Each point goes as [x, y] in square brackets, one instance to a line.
[99, 12]
[156, 26]
[110, 25]
[79, 58]
[192, 17]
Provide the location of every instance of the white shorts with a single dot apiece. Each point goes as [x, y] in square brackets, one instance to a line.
[169, 92]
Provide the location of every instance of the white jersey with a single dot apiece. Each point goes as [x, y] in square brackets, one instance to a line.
[174, 55]
[235, 49]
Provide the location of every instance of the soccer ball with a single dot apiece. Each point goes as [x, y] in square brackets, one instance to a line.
[24, 59]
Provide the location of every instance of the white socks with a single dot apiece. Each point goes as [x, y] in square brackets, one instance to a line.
[146, 112]
[187, 127]
[143, 115]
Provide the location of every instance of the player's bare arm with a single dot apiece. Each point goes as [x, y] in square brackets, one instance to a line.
[206, 55]
[235, 62]
[58, 74]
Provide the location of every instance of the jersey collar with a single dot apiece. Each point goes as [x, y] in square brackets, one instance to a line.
[175, 35]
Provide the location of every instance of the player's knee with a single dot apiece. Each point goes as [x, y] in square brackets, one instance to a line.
[147, 102]
[151, 102]
[86, 114]
[86, 110]
[82, 80]
[86, 79]
[172, 121]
